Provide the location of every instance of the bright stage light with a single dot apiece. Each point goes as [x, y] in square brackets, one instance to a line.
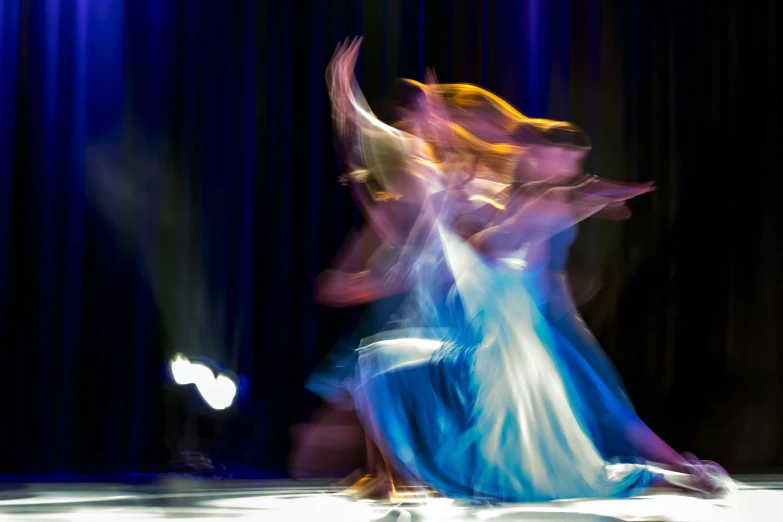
[218, 391]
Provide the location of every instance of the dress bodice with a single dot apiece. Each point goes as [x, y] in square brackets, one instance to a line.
[530, 267]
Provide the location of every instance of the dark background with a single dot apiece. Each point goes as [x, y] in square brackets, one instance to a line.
[168, 184]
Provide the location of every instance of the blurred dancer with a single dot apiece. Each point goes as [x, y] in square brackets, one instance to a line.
[488, 383]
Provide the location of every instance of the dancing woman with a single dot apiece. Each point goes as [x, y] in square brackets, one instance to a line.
[489, 384]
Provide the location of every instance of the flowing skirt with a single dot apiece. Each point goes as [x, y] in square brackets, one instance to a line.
[421, 402]
[498, 405]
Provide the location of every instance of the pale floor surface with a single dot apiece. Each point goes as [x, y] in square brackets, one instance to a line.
[756, 498]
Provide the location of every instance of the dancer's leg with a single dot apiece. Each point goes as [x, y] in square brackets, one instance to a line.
[382, 479]
[377, 482]
[691, 475]
[375, 460]
[372, 467]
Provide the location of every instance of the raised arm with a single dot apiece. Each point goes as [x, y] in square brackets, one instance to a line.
[374, 152]
[369, 269]
[536, 213]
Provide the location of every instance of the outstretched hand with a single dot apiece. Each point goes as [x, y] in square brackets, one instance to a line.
[344, 289]
[611, 195]
[614, 190]
[341, 82]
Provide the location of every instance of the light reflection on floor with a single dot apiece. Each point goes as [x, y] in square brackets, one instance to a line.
[758, 500]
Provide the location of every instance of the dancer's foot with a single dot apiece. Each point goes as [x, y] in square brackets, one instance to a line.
[713, 479]
[704, 477]
[385, 487]
[358, 487]
[354, 477]
[412, 494]
[378, 487]
[371, 487]
[396, 490]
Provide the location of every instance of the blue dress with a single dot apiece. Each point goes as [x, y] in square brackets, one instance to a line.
[485, 397]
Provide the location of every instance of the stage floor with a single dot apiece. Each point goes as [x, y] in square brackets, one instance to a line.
[757, 499]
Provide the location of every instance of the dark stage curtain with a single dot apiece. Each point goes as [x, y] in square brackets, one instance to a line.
[168, 184]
